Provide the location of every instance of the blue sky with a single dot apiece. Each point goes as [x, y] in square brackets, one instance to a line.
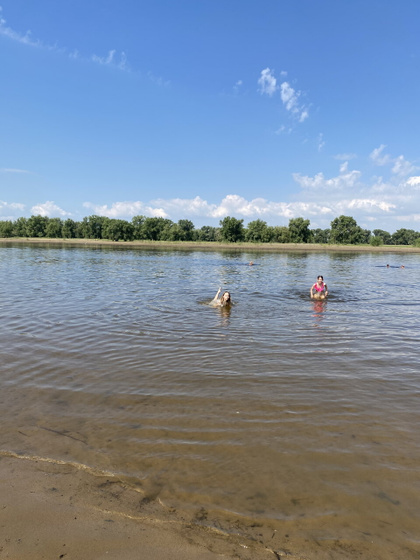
[201, 109]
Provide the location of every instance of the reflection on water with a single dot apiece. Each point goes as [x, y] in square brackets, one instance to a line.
[280, 415]
[319, 308]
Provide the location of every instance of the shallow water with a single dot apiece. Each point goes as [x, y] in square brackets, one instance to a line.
[292, 421]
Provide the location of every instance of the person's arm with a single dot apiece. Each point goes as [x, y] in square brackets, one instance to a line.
[326, 289]
[215, 299]
[311, 292]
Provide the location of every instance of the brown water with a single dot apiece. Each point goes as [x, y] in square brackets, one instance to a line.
[291, 421]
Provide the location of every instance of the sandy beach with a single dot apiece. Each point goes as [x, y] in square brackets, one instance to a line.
[212, 246]
[52, 511]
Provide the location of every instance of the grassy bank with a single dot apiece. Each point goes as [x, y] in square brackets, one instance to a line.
[212, 246]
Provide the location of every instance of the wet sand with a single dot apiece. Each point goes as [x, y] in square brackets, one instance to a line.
[51, 510]
[213, 246]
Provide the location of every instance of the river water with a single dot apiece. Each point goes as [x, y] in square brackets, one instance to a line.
[291, 421]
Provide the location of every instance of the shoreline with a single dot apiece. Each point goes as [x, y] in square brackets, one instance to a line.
[212, 246]
[54, 509]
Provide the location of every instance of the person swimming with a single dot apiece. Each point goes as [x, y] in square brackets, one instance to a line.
[319, 290]
[224, 301]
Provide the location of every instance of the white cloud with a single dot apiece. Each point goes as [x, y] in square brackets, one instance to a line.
[124, 209]
[232, 204]
[414, 182]
[11, 206]
[26, 38]
[345, 157]
[237, 86]
[345, 180]
[378, 158]
[289, 96]
[49, 209]
[409, 218]
[11, 170]
[402, 167]
[112, 60]
[186, 206]
[367, 204]
[321, 141]
[267, 82]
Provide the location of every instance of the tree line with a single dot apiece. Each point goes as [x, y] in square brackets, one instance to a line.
[343, 230]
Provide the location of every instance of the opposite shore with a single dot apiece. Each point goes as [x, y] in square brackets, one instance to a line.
[214, 246]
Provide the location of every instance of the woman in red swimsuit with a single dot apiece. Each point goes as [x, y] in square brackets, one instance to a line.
[319, 290]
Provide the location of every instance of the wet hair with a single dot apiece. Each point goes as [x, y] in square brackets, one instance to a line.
[224, 302]
[318, 277]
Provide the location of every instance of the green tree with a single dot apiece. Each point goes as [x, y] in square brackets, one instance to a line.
[19, 227]
[321, 235]
[138, 222]
[171, 232]
[153, 228]
[187, 230]
[384, 235]
[54, 228]
[117, 230]
[36, 226]
[232, 230]
[299, 230]
[69, 229]
[91, 227]
[6, 228]
[404, 237]
[208, 233]
[258, 232]
[344, 230]
[280, 234]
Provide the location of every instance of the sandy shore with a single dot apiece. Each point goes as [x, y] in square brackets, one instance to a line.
[188, 245]
[50, 510]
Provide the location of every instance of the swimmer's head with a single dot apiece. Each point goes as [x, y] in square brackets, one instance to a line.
[225, 299]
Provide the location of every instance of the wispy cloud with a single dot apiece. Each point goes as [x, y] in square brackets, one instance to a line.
[25, 38]
[11, 206]
[49, 209]
[345, 157]
[11, 170]
[237, 86]
[320, 142]
[400, 166]
[378, 157]
[267, 82]
[290, 97]
[345, 180]
[112, 59]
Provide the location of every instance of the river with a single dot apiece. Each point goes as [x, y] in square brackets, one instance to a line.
[293, 421]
